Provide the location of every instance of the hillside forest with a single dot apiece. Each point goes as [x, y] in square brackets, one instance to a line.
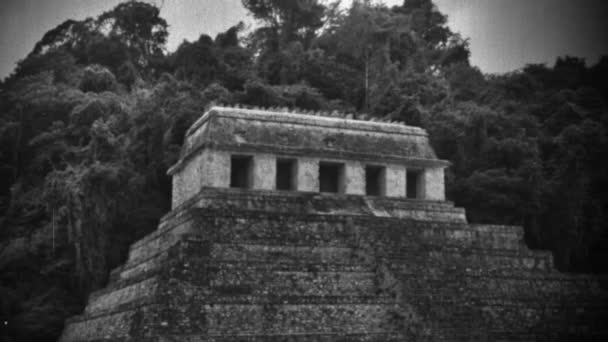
[95, 114]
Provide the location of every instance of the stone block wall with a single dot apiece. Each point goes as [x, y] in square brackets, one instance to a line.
[307, 171]
[264, 172]
[208, 168]
[433, 184]
[395, 181]
[354, 178]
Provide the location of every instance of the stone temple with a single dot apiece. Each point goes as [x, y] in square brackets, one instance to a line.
[291, 227]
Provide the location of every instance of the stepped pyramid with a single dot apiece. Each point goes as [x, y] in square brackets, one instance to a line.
[289, 227]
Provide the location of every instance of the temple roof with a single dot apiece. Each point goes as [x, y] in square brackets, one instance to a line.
[284, 133]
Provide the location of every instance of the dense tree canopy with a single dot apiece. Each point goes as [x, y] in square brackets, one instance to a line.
[92, 118]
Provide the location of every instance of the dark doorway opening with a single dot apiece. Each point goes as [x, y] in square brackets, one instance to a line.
[375, 180]
[241, 172]
[331, 177]
[413, 184]
[286, 174]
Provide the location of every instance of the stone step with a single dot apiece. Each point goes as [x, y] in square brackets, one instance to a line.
[433, 255]
[284, 275]
[341, 258]
[263, 279]
[155, 245]
[246, 278]
[196, 222]
[209, 299]
[171, 221]
[261, 318]
[340, 255]
[112, 326]
[123, 292]
[256, 319]
[474, 260]
[152, 263]
[282, 202]
[136, 268]
[323, 230]
[319, 337]
[213, 266]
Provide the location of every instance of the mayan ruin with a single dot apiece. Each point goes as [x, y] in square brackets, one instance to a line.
[305, 227]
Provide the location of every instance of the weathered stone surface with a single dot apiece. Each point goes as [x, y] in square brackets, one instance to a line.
[258, 130]
[395, 181]
[354, 174]
[264, 172]
[205, 169]
[433, 184]
[308, 168]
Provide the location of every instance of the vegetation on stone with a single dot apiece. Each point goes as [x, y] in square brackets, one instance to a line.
[93, 117]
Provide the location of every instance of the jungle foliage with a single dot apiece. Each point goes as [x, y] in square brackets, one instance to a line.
[93, 117]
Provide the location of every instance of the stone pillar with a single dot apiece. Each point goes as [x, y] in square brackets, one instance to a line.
[187, 181]
[308, 175]
[354, 178]
[207, 168]
[215, 169]
[395, 181]
[264, 171]
[433, 184]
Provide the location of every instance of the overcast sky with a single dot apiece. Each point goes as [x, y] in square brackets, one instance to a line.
[504, 34]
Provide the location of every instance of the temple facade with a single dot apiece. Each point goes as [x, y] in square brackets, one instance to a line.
[262, 150]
